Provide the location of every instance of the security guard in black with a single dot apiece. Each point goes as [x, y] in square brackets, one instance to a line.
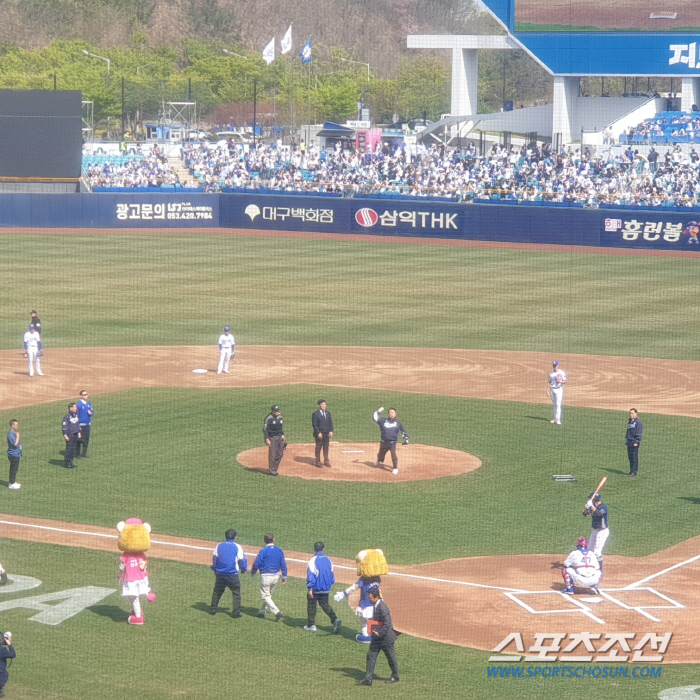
[71, 434]
[273, 430]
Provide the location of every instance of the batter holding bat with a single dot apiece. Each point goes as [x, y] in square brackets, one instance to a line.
[599, 517]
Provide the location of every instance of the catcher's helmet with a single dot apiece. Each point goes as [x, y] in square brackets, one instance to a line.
[582, 542]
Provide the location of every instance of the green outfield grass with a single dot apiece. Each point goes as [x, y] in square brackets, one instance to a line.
[169, 456]
[173, 290]
[184, 652]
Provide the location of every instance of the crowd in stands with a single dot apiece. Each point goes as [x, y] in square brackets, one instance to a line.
[668, 127]
[151, 170]
[528, 173]
[531, 173]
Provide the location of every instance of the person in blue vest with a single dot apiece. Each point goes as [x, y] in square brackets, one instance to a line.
[319, 581]
[85, 414]
[14, 453]
[229, 561]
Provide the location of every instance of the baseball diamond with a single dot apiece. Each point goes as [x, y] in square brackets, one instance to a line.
[482, 453]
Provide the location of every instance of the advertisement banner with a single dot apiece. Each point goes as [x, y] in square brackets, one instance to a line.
[284, 213]
[647, 229]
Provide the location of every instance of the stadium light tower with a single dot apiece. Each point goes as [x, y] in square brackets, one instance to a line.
[349, 60]
[94, 55]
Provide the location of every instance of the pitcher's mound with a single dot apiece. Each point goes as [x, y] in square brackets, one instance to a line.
[354, 461]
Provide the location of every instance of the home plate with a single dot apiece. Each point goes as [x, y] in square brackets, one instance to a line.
[591, 599]
[200, 371]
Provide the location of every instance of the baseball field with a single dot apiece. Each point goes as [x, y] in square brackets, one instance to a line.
[460, 340]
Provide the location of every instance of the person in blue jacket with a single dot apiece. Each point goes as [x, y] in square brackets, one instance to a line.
[85, 414]
[272, 566]
[7, 651]
[228, 563]
[319, 581]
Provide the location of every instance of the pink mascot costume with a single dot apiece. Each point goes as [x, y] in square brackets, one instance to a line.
[134, 540]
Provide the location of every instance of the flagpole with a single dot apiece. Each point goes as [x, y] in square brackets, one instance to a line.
[308, 111]
[291, 73]
[275, 103]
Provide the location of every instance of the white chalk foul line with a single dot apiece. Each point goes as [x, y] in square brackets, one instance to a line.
[661, 573]
[252, 554]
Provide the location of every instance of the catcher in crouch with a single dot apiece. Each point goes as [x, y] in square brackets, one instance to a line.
[581, 568]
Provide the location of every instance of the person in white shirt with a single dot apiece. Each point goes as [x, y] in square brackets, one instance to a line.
[555, 389]
[32, 347]
[227, 350]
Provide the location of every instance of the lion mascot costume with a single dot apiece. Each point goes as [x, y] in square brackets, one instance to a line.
[371, 566]
[134, 541]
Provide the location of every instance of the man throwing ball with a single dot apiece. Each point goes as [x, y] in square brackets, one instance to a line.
[390, 427]
[581, 568]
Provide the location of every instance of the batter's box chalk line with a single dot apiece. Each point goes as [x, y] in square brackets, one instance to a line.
[581, 608]
[641, 609]
[584, 609]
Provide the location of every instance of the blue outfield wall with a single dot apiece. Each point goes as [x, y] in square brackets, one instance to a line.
[562, 225]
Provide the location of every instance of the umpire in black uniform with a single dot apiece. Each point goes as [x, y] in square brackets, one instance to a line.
[273, 430]
[322, 423]
[383, 637]
[71, 434]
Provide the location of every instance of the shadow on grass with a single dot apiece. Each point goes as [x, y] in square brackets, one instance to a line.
[113, 612]
[537, 418]
[354, 673]
[614, 471]
[204, 607]
[690, 499]
[58, 462]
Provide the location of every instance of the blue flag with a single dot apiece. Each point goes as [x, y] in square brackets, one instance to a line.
[305, 53]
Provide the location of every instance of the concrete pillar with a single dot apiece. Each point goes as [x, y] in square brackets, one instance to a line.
[465, 77]
[690, 93]
[565, 97]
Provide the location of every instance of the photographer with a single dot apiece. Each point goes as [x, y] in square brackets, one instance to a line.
[7, 651]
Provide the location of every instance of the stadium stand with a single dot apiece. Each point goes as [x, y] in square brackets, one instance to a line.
[627, 177]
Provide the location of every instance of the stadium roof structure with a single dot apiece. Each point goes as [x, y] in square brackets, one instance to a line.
[576, 39]
[603, 38]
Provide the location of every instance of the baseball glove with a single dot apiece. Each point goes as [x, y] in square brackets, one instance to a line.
[40, 353]
[406, 442]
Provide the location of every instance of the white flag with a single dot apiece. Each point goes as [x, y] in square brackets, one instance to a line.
[287, 40]
[269, 52]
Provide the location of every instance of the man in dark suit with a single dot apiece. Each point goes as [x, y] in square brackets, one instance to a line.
[383, 637]
[322, 423]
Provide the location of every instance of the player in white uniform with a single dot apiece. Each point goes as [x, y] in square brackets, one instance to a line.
[557, 379]
[227, 350]
[32, 345]
[581, 568]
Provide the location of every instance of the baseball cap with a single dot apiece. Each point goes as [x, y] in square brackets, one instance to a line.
[31, 326]
[227, 328]
[275, 408]
[555, 363]
[592, 494]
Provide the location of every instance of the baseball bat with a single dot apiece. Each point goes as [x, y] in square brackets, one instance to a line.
[601, 483]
